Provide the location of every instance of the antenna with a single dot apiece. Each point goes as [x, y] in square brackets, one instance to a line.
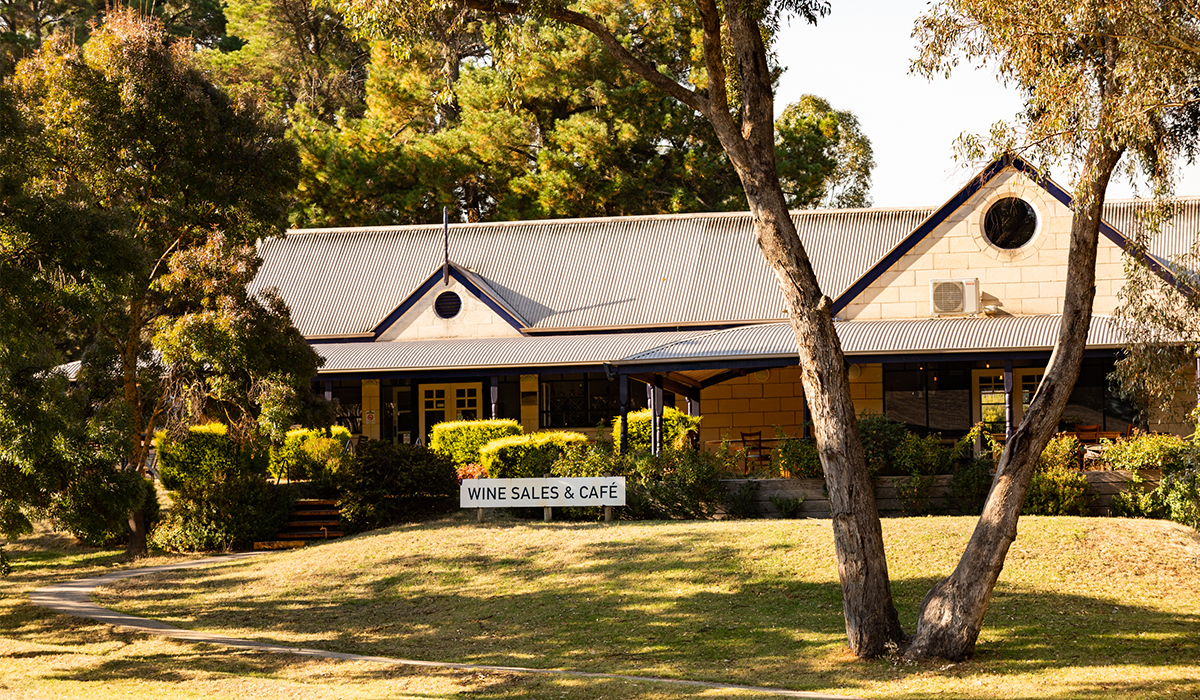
[446, 247]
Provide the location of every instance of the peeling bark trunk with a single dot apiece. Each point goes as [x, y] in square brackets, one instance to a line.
[951, 615]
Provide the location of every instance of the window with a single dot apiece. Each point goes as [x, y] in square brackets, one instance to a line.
[447, 305]
[584, 400]
[1010, 223]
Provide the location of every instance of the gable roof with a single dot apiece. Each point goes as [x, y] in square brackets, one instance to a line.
[568, 275]
[473, 284]
[1178, 234]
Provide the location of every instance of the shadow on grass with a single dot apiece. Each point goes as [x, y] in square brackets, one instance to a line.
[674, 604]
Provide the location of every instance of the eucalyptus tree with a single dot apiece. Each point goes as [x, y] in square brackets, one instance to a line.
[726, 77]
[170, 181]
[1102, 81]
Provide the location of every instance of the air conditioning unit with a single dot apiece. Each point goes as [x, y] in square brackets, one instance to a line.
[954, 297]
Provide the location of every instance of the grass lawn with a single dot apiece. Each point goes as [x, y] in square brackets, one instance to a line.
[1086, 608]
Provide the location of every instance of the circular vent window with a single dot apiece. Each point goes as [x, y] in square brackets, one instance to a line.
[1010, 223]
[447, 305]
[948, 297]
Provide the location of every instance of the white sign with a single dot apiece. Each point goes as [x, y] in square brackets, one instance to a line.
[514, 493]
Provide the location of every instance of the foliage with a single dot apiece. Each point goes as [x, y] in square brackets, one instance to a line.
[471, 470]
[881, 437]
[461, 440]
[788, 507]
[388, 484]
[1169, 453]
[5, 565]
[677, 428]
[741, 503]
[830, 159]
[149, 229]
[1057, 487]
[207, 454]
[296, 54]
[220, 497]
[971, 483]
[221, 515]
[678, 484]
[1177, 498]
[308, 453]
[526, 456]
[796, 457]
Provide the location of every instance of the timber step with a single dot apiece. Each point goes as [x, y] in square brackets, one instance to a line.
[310, 519]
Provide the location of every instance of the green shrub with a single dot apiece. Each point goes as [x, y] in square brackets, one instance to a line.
[226, 515]
[526, 456]
[1170, 453]
[678, 484]
[1056, 488]
[920, 458]
[220, 497]
[795, 457]
[96, 506]
[388, 484]
[677, 426]
[461, 440]
[295, 459]
[741, 503]
[880, 438]
[1177, 498]
[205, 456]
[788, 507]
[971, 484]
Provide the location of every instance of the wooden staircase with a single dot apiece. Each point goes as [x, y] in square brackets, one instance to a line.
[311, 519]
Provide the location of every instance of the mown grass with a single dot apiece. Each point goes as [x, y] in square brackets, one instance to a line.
[1086, 608]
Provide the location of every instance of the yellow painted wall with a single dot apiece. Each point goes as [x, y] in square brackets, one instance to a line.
[370, 403]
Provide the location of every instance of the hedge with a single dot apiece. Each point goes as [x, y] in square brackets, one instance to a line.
[388, 484]
[461, 440]
[206, 455]
[527, 456]
[675, 425]
[293, 461]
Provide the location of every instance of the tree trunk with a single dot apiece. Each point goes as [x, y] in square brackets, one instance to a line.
[871, 619]
[136, 547]
[951, 615]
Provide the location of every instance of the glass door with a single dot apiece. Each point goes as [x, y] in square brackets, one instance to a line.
[444, 402]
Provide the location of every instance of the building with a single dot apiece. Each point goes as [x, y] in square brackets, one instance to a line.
[946, 315]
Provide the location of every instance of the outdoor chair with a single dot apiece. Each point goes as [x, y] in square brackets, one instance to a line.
[754, 451]
[1087, 434]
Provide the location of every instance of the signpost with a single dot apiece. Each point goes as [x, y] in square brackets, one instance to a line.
[547, 492]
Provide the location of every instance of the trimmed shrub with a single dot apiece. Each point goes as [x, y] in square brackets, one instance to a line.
[205, 456]
[461, 440]
[221, 499]
[677, 426]
[678, 484]
[1170, 453]
[296, 458]
[388, 484]
[921, 459]
[1056, 488]
[527, 456]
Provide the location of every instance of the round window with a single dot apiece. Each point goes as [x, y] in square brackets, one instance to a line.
[1010, 223]
[447, 305]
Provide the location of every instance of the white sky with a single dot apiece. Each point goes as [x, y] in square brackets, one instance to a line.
[857, 58]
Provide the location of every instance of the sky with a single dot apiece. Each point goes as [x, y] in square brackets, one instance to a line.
[857, 58]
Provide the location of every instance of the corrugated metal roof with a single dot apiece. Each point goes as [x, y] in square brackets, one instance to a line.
[759, 341]
[1178, 235]
[901, 337]
[583, 273]
[485, 353]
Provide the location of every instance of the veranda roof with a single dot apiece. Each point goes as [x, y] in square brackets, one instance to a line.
[635, 352]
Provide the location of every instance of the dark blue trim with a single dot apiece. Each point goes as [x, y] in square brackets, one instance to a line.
[428, 286]
[323, 341]
[961, 198]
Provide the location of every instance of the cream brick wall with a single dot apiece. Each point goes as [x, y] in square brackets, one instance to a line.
[475, 320]
[1028, 280]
